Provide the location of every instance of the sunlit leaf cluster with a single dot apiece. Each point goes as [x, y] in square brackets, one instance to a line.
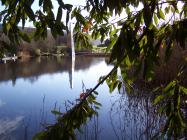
[20, 11]
[68, 123]
[136, 41]
[172, 98]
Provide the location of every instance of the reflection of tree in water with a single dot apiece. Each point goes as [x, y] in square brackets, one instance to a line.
[133, 117]
[24, 126]
[33, 79]
[33, 68]
[90, 131]
[71, 72]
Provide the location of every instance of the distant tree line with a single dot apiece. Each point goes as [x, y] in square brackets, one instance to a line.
[47, 44]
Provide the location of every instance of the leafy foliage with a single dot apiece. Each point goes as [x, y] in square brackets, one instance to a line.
[67, 124]
[171, 96]
[20, 11]
[136, 42]
[150, 26]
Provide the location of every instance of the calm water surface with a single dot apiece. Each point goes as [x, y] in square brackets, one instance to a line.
[29, 90]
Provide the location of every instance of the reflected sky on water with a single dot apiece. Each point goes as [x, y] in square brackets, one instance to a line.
[29, 90]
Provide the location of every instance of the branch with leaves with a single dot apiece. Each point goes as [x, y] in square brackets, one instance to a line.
[135, 44]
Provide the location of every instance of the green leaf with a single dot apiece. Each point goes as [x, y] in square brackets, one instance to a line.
[40, 136]
[158, 99]
[47, 6]
[23, 21]
[161, 109]
[112, 43]
[59, 14]
[156, 89]
[90, 99]
[181, 120]
[167, 9]
[183, 89]
[113, 85]
[127, 9]
[161, 14]
[167, 92]
[2, 13]
[8, 26]
[95, 92]
[30, 12]
[55, 112]
[119, 86]
[169, 87]
[96, 103]
[113, 32]
[68, 7]
[178, 101]
[156, 19]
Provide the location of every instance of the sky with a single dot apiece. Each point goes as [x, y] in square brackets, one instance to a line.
[55, 5]
[80, 2]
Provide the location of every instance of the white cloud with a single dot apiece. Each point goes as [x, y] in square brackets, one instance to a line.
[2, 103]
[8, 125]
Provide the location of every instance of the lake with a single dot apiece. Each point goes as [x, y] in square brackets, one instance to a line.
[30, 89]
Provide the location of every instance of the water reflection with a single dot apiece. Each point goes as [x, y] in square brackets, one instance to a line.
[31, 89]
[130, 117]
[134, 117]
[31, 69]
[8, 126]
[1, 103]
[91, 131]
[71, 73]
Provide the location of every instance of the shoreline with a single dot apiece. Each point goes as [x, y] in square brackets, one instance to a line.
[89, 54]
[62, 55]
[92, 54]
